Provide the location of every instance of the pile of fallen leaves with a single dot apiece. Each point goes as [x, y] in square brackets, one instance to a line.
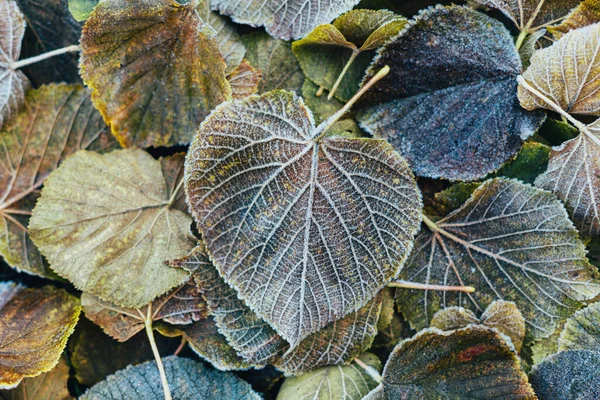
[299, 199]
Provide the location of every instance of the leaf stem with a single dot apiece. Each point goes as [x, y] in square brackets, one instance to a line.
[181, 346]
[424, 286]
[372, 372]
[521, 39]
[41, 57]
[320, 91]
[430, 224]
[159, 363]
[175, 192]
[355, 54]
[321, 130]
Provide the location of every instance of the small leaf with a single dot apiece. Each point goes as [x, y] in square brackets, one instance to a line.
[458, 118]
[340, 52]
[81, 9]
[109, 222]
[566, 73]
[274, 59]
[530, 46]
[582, 330]
[51, 385]
[13, 84]
[529, 15]
[512, 242]
[186, 378]
[34, 327]
[586, 13]
[568, 375]
[181, 306]
[154, 68]
[530, 162]
[244, 80]
[349, 382]
[319, 225]
[285, 19]
[473, 362]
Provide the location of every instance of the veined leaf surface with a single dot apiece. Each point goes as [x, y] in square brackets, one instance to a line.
[582, 330]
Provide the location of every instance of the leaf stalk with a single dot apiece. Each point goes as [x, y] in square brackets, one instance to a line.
[355, 54]
[41, 57]
[372, 372]
[159, 363]
[424, 286]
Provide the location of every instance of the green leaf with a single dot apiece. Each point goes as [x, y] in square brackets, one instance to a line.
[586, 13]
[530, 46]
[187, 379]
[34, 327]
[13, 84]
[56, 121]
[258, 343]
[340, 52]
[108, 223]
[502, 315]
[582, 330]
[155, 69]
[568, 375]
[349, 382]
[285, 19]
[473, 362]
[512, 242]
[51, 385]
[458, 118]
[530, 162]
[275, 61]
[318, 224]
[81, 9]
[448, 200]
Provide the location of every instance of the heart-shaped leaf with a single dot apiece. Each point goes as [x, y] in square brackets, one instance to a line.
[34, 327]
[512, 242]
[462, 99]
[13, 84]
[283, 19]
[307, 228]
[188, 379]
[154, 68]
[57, 120]
[109, 222]
[336, 55]
[51, 385]
[473, 362]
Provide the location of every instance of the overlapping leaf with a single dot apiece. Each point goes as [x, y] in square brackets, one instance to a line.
[154, 68]
[529, 15]
[56, 121]
[182, 305]
[186, 378]
[81, 9]
[13, 84]
[586, 13]
[339, 53]
[274, 60]
[462, 98]
[568, 375]
[109, 222]
[502, 315]
[258, 343]
[48, 386]
[283, 19]
[349, 382]
[306, 228]
[473, 362]
[244, 80]
[512, 242]
[34, 327]
[582, 330]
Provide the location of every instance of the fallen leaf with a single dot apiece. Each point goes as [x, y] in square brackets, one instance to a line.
[81, 9]
[108, 223]
[34, 327]
[306, 228]
[56, 121]
[530, 162]
[154, 68]
[186, 378]
[586, 13]
[51, 385]
[244, 80]
[512, 242]
[582, 330]
[458, 118]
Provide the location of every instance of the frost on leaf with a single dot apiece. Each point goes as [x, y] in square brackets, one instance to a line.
[258, 343]
[51, 385]
[586, 13]
[283, 19]
[56, 121]
[338, 54]
[348, 382]
[155, 69]
[34, 327]
[582, 330]
[512, 242]
[306, 228]
[109, 222]
[474, 362]
[244, 80]
[458, 118]
[185, 377]
[13, 84]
